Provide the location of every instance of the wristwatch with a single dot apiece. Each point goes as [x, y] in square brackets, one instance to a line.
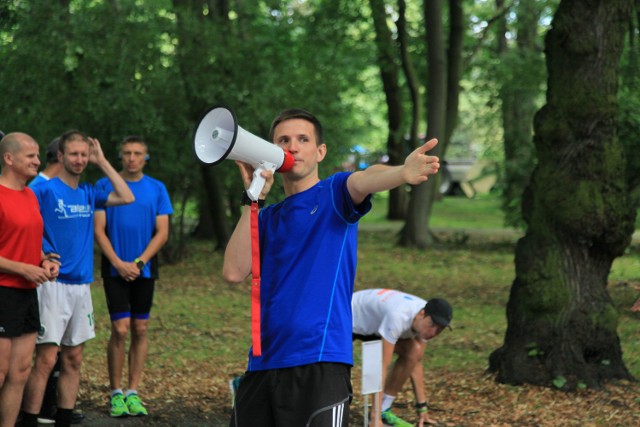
[139, 263]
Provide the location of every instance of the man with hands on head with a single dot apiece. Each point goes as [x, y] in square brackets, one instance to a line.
[66, 309]
[308, 255]
[23, 266]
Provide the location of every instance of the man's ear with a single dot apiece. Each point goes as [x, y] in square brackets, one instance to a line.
[322, 152]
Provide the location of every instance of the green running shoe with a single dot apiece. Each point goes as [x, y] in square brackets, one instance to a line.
[391, 419]
[134, 404]
[118, 407]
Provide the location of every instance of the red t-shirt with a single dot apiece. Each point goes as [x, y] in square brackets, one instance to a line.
[21, 231]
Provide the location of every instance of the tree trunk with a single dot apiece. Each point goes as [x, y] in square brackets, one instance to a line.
[189, 15]
[454, 68]
[387, 62]
[416, 229]
[517, 94]
[561, 321]
[413, 83]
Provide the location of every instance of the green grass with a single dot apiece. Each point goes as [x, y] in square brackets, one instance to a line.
[200, 326]
[199, 320]
[482, 212]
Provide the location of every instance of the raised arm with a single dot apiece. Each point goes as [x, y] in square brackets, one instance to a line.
[417, 168]
[121, 194]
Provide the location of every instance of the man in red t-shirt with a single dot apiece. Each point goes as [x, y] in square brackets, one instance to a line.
[23, 266]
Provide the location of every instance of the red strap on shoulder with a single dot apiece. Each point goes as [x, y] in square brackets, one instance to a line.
[255, 282]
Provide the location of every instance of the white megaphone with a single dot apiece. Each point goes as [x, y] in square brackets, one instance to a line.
[219, 137]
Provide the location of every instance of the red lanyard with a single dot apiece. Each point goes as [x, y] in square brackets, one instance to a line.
[255, 282]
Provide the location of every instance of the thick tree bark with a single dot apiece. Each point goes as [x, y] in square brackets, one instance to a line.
[561, 321]
[389, 70]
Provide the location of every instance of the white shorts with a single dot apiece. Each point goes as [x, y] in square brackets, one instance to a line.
[66, 314]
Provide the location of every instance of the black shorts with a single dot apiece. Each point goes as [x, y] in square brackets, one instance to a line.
[129, 299]
[316, 395]
[365, 338]
[19, 312]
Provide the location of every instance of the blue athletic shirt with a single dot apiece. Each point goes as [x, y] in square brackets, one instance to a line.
[131, 227]
[308, 247]
[68, 226]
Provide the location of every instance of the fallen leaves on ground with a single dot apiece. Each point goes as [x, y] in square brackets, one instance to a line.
[201, 394]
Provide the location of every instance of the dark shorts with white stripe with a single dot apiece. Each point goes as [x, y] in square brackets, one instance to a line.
[316, 395]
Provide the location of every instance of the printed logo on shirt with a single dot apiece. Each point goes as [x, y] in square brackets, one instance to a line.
[72, 211]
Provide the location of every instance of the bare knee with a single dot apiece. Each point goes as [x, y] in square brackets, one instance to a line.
[139, 328]
[120, 329]
[410, 351]
[46, 357]
[72, 358]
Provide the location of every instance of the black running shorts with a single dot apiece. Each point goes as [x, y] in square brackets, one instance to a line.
[316, 395]
[19, 312]
[129, 299]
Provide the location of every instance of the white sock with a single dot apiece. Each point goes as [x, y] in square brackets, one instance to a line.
[130, 392]
[387, 401]
[116, 391]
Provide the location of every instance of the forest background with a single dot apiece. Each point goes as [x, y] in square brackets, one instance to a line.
[380, 75]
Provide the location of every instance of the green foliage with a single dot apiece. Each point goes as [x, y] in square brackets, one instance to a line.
[559, 382]
[534, 350]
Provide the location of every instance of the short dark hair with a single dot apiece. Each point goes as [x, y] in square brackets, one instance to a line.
[298, 113]
[71, 135]
[51, 153]
[131, 139]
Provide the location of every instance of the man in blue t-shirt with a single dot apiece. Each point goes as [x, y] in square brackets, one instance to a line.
[66, 310]
[130, 237]
[53, 167]
[308, 257]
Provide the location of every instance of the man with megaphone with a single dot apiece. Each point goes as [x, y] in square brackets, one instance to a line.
[301, 376]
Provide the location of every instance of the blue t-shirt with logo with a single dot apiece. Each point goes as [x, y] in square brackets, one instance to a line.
[68, 226]
[308, 245]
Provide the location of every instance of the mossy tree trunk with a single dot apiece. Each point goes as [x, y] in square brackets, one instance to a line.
[561, 321]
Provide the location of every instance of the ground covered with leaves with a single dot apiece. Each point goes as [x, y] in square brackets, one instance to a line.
[197, 397]
[199, 338]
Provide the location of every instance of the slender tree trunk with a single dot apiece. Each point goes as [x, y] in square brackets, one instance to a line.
[189, 19]
[561, 321]
[517, 94]
[410, 74]
[454, 68]
[389, 70]
[416, 229]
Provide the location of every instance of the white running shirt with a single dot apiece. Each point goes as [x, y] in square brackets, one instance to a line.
[385, 312]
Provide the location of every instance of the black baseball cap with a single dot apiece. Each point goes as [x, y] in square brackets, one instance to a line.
[440, 311]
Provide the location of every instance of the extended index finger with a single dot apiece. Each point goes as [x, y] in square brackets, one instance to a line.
[428, 146]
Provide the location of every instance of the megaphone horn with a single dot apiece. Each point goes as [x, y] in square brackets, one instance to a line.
[218, 137]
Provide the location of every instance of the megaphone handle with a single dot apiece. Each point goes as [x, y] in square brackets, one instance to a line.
[257, 184]
[258, 181]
